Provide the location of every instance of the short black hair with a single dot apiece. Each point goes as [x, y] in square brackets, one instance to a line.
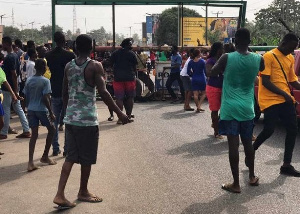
[19, 43]
[30, 44]
[216, 46]
[59, 37]
[242, 34]
[40, 65]
[290, 37]
[31, 52]
[175, 47]
[126, 42]
[84, 43]
[7, 39]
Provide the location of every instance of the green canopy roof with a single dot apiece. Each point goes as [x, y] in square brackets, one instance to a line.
[145, 2]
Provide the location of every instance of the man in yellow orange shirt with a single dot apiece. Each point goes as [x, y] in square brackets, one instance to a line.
[275, 99]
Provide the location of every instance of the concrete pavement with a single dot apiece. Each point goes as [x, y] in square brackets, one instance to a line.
[165, 162]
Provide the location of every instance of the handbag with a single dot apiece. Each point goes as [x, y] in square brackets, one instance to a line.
[291, 88]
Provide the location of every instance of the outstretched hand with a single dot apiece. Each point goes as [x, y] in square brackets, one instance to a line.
[124, 118]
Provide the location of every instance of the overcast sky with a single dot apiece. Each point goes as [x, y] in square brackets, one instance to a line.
[93, 17]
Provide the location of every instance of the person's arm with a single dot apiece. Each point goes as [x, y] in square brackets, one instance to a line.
[220, 66]
[189, 69]
[208, 67]
[65, 92]
[47, 102]
[13, 96]
[106, 97]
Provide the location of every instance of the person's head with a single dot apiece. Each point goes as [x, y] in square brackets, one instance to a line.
[288, 44]
[19, 44]
[242, 37]
[216, 50]
[196, 53]
[40, 66]
[174, 49]
[59, 39]
[32, 54]
[191, 53]
[30, 44]
[126, 43]
[7, 43]
[228, 48]
[84, 44]
[41, 51]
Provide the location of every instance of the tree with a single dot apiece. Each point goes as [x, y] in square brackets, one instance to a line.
[167, 32]
[213, 36]
[12, 32]
[99, 35]
[267, 28]
[136, 39]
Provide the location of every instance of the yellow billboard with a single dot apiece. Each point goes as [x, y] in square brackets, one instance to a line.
[194, 29]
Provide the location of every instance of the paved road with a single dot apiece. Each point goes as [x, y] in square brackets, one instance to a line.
[164, 162]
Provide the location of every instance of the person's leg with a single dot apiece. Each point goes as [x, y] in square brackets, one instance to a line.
[60, 198]
[215, 122]
[32, 142]
[6, 107]
[128, 102]
[202, 97]
[181, 88]
[45, 158]
[169, 83]
[19, 111]
[289, 119]
[271, 116]
[57, 106]
[196, 99]
[233, 144]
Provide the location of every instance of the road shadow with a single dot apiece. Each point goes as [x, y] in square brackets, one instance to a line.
[205, 147]
[233, 203]
[180, 114]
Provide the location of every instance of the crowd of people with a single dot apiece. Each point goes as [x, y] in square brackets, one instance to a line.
[60, 86]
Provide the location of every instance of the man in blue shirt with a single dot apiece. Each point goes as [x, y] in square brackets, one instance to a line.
[176, 61]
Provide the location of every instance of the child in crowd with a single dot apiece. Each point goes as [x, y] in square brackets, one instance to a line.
[37, 91]
[14, 98]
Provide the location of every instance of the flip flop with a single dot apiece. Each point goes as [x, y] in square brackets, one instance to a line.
[94, 199]
[228, 188]
[12, 131]
[24, 135]
[64, 206]
[1, 153]
[189, 109]
[256, 183]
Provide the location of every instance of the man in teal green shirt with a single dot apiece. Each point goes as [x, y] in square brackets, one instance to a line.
[240, 69]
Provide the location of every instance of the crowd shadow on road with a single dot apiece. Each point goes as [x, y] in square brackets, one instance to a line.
[233, 203]
[180, 114]
[157, 105]
[205, 147]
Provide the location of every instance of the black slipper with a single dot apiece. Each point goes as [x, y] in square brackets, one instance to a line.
[256, 183]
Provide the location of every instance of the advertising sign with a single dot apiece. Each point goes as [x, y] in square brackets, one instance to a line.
[1, 32]
[194, 29]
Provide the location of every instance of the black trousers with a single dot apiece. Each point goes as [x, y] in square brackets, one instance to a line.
[173, 77]
[146, 80]
[286, 112]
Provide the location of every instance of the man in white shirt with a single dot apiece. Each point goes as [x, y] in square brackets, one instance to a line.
[30, 70]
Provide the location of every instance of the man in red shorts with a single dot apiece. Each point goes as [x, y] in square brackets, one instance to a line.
[124, 66]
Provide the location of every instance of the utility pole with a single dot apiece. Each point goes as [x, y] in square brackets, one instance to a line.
[217, 13]
[13, 17]
[2, 17]
[31, 23]
[74, 21]
[282, 14]
[21, 25]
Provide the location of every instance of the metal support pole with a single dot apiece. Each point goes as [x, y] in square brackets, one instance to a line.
[114, 25]
[178, 25]
[182, 27]
[206, 23]
[240, 17]
[244, 14]
[53, 22]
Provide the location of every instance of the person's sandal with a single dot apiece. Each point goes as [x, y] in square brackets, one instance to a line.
[24, 135]
[12, 131]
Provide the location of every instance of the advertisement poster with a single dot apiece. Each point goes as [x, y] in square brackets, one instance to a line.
[194, 29]
[1, 32]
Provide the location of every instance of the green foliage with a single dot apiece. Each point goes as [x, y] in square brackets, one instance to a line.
[213, 36]
[167, 33]
[267, 28]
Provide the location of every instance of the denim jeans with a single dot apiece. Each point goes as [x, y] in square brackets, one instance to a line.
[7, 100]
[57, 108]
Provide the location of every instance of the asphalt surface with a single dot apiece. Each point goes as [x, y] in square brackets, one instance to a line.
[166, 161]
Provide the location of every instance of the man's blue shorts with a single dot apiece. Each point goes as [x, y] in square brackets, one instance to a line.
[234, 127]
[35, 117]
